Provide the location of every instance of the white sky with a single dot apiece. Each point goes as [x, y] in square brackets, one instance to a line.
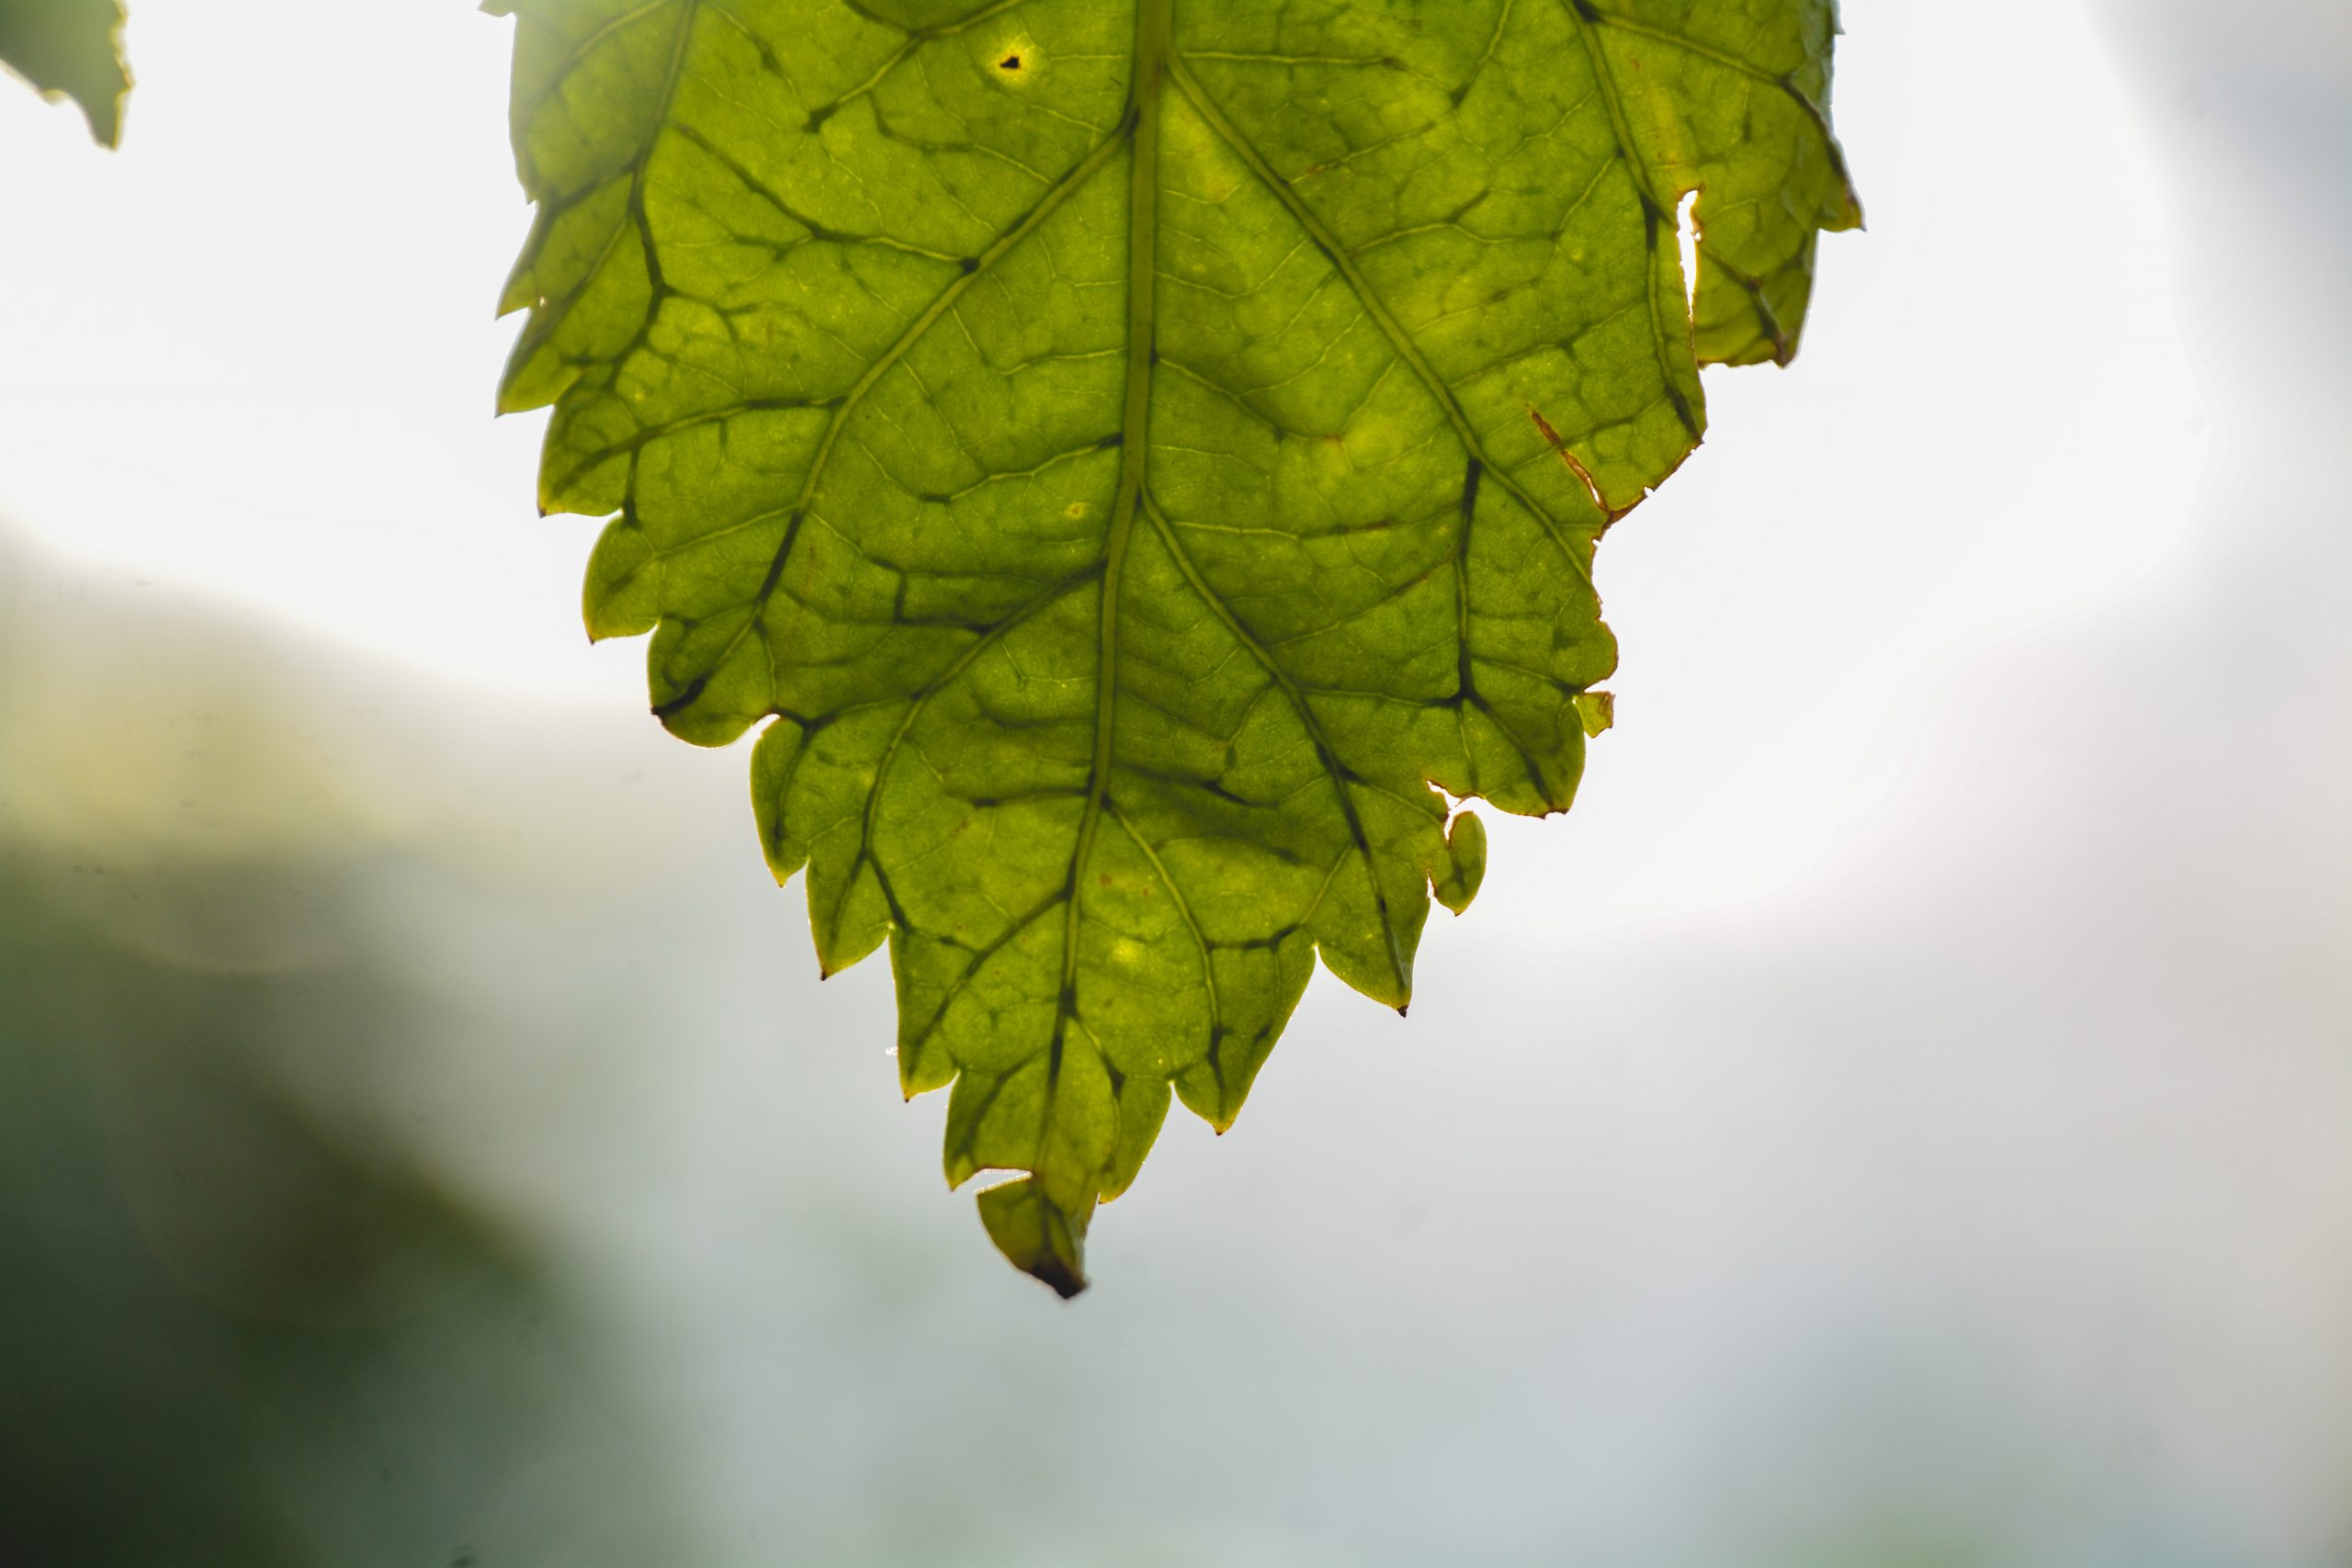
[252, 356]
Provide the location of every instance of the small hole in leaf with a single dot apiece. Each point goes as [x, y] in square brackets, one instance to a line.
[1010, 63]
[1687, 231]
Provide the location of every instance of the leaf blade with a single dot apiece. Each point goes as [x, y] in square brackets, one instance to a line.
[1125, 457]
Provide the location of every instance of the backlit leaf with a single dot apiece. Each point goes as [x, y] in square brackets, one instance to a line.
[1125, 453]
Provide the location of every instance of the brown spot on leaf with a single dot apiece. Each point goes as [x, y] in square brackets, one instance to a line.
[1554, 439]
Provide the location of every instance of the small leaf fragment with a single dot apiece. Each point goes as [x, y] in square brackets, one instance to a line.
[1597, 711]
[70, 49]
[1466, 850]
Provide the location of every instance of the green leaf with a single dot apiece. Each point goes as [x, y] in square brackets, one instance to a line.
[70, 49]
[1125, 455]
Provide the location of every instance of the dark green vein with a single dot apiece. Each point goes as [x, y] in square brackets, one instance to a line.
[1200, 939]
[1376, 307]
[1337, 771]
[850, 400]
[1657, 213]
[922, 700]
[1728, 61]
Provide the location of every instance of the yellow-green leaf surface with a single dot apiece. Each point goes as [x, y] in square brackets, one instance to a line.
[1124, 454]
[70, 49]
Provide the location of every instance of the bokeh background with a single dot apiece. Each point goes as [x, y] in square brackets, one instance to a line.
[1902, 1117]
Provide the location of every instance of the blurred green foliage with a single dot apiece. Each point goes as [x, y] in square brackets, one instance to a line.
[242, 1324]
[252, 1312]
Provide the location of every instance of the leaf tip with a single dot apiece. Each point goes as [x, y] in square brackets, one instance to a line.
[1035, 1234]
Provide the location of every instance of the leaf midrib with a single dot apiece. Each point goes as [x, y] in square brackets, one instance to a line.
[1155, 25]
